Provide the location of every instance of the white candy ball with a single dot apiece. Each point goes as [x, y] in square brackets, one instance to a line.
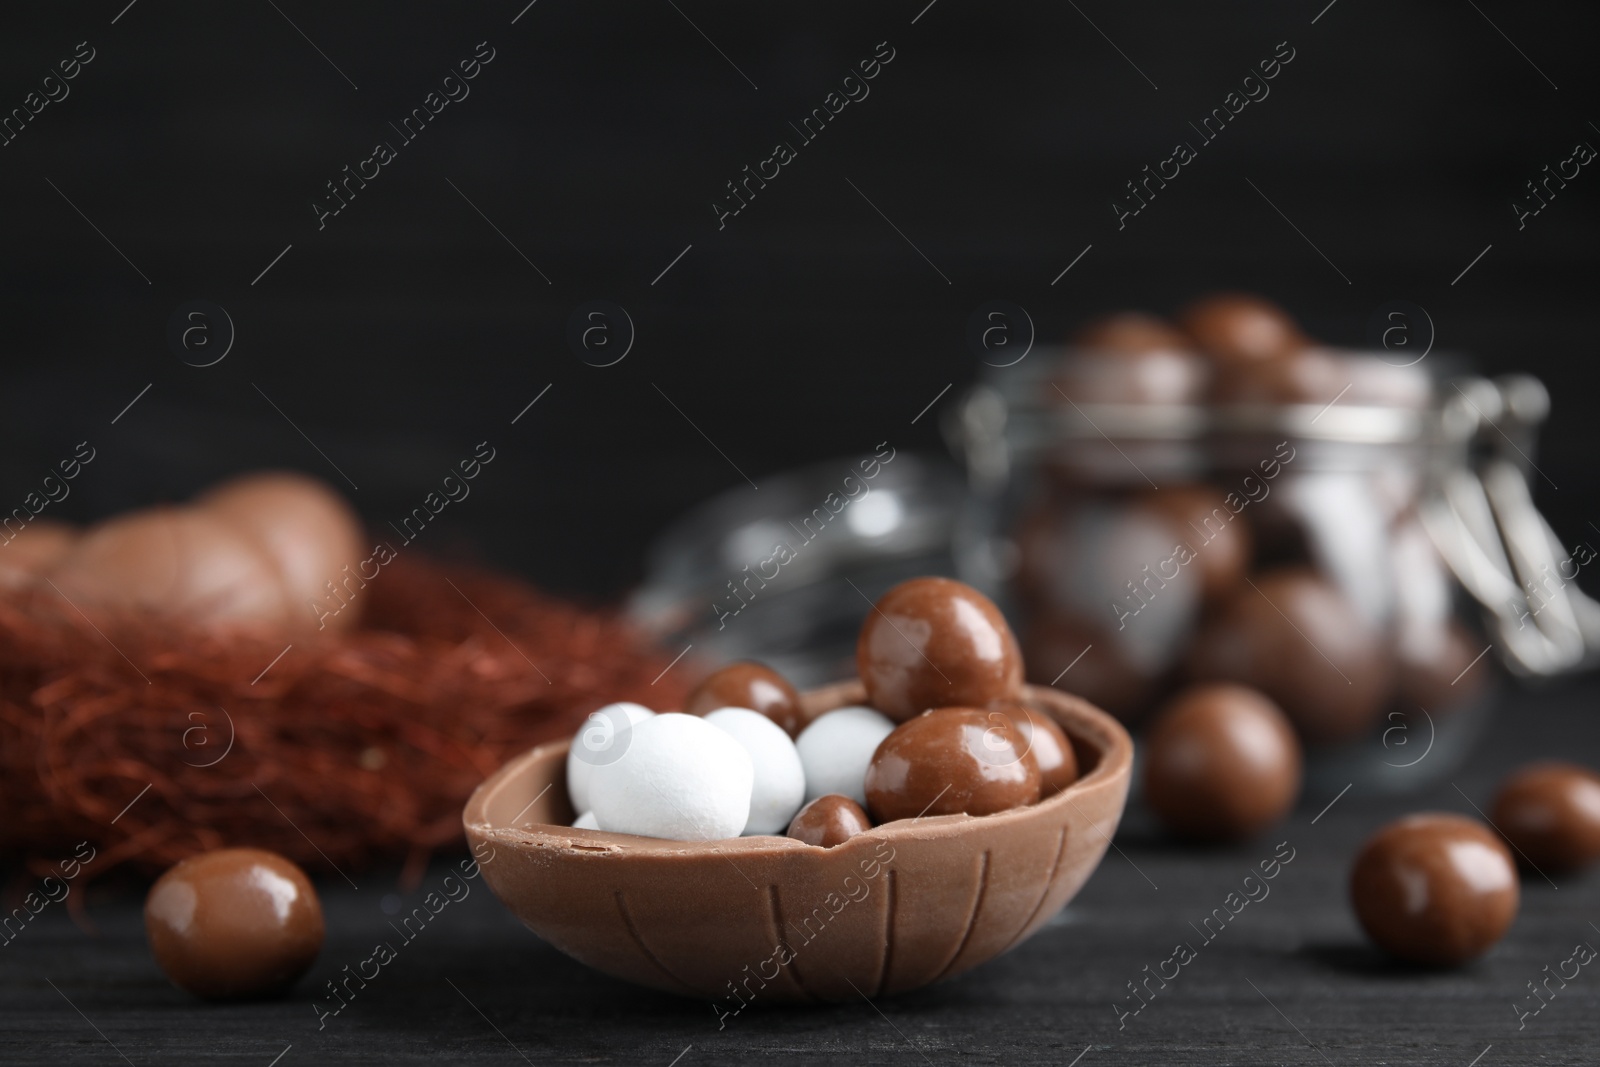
[681, 778]
[586, 821]
[603, 738]
[836, 749]
[780, 781]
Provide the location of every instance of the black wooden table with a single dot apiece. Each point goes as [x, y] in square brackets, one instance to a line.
[1289, 981]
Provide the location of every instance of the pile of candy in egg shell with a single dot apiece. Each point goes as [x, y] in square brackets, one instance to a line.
[943, 732]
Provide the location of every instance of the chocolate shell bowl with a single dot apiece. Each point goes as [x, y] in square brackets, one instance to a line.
[894, 908]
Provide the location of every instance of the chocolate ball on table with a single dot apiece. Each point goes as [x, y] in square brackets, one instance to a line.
[829, 820]
[1293, 635]
[234, 923]
[749, 685]
[1377, 382]
[935, 642]
[1237, 328]
[1550, 813]
[951, 761]
[1046, 742]
[1221, 762]
[1435, 888]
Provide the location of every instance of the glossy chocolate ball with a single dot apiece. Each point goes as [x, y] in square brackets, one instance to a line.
[749, 685]
[1240, 328]
[1550, 812]
[1046, 742]
[1435, 888]
[1293, 635]
[950, 761]
[1218, 539]
[933, 643]
[829, 820]
[234, 923]
[1221, 763]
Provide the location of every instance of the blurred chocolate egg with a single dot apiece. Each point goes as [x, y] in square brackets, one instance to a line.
[180, 562]
[1239, 328]
[37, 548]
[1293, 635]
[308, 531]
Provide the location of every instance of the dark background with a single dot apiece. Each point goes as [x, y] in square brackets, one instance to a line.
[408, 330]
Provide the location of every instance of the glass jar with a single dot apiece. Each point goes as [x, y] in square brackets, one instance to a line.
[1144, 532]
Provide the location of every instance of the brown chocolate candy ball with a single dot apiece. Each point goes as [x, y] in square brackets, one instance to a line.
[749, 685]
[1046, 742]
[933, 643]
[1240, 328]
[1434, 888]
[829, 820]
[1129, 358]
[234, 923]
[1550, 812]
[1221, 763]
[1131, 331]
[1202, 520]
[950, 761]
[1297, 638]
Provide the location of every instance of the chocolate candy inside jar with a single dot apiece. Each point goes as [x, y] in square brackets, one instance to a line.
[1225, 500]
